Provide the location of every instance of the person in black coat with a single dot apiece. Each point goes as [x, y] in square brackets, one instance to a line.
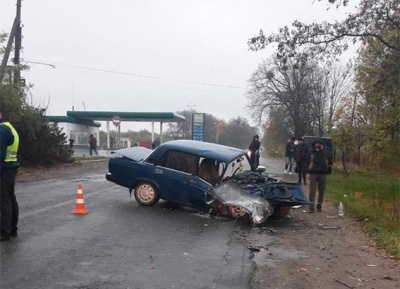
[253, 148]
[93, 145]
[300, 155]
[289, 155]
[317, 169]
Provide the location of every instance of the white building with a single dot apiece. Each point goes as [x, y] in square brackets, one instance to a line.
[78, 130]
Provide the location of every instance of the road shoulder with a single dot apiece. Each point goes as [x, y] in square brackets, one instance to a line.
[320, 250]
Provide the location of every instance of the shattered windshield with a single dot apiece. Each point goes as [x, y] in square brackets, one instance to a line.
[239, 165]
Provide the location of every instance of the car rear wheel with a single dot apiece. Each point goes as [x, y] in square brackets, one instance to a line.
[146, 194]
[235, 211]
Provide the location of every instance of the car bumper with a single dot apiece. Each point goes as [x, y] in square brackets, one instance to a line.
[110, 177]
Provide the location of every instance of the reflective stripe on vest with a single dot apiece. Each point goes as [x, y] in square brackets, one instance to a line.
[11, 153]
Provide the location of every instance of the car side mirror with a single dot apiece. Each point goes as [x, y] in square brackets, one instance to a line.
[260, 169]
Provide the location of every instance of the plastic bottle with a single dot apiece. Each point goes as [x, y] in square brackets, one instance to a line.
[341, 209]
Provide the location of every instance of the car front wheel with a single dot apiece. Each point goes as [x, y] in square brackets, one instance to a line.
[146, 194]
[235, 211]
[281, 212]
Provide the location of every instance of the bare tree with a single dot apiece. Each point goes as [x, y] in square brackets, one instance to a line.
[283, 85]
[329, 83]
[276, 133]
[338, 84]
[238, 133]
[301, 94]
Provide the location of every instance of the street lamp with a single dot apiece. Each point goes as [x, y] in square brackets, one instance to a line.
[190, 120]
[217, 131]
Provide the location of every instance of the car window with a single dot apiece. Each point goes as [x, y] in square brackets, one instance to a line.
[179, 161]
[209, 170]
[237, 166]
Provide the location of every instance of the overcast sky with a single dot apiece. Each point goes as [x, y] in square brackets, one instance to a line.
[149, 55]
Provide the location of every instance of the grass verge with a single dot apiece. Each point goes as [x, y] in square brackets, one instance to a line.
[83, 159]
[75, 162]
[374, 200]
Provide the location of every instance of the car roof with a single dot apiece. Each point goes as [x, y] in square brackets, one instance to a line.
[204, 149]
[310, 139]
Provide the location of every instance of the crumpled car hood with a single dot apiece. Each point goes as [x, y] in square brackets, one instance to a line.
[134, 153]
[231, 194]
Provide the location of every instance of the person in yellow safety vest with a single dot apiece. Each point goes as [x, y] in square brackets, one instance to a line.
[9, 141]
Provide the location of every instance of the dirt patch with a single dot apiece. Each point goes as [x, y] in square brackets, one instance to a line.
[76, 169]
[302, 250]
[320, 250]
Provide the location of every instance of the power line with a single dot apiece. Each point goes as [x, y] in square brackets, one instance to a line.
[121, 77]
[132, 74]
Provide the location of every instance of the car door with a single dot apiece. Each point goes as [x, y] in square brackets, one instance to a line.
[176, 179]
[180, 187]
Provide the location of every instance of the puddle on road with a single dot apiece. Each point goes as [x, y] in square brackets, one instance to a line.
[268, 250]
[273, 255]
[92, 178]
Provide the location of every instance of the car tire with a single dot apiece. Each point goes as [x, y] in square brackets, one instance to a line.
[235, 212]
[146, 194]
[281, 212]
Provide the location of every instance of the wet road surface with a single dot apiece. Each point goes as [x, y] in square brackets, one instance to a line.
[119, 244]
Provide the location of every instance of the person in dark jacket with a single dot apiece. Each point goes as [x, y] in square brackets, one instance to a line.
[317, 169]
[300, 155]
[93, 145]
[155, 144]
[9, 142]
[289, 154]
[253, 148]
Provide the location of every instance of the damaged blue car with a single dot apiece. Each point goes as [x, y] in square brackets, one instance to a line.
[205, 176]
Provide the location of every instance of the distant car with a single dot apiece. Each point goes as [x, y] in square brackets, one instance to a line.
[202, 175]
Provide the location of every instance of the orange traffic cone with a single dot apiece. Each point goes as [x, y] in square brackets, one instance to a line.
[80, 207]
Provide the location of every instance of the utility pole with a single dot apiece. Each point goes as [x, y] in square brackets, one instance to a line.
[18, 40]
[14, 34]
[7, 51]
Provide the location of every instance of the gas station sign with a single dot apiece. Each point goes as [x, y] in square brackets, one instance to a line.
[198, 126]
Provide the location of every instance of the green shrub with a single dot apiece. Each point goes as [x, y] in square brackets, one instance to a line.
[40, 144]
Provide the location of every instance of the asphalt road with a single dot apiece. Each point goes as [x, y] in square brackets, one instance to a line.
[119, 244]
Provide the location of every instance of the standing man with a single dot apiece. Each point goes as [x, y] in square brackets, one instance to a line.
[9, 141]
[289, 154]
[254, 155]
[155, 144]
[92, 145]
[317, 168]
[300, 155]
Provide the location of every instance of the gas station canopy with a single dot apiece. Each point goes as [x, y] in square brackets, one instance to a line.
[127, 116]
[116, 117]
